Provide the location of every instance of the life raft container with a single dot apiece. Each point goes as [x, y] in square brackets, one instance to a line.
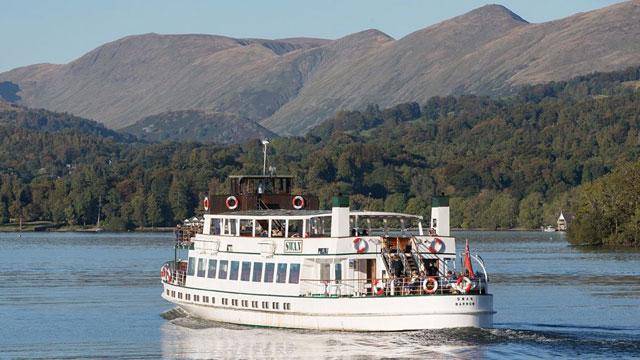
[360, 245]
[436, 246]
[232, 202]
[430, 285]
[379, 287]
[464, 285]
[297, 202]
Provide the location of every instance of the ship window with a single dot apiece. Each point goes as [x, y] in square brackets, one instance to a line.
[268, 272]
[225, 301]
[173, 293]
[234, 302]
[275, 305]
[230, 227]
[224, 267]
[338, 272]
[294, 274]
[167, 292]
[246, 271]
[246, 227]
[191, 268]
[187, 296]
[196, 297]
[215, 227]
[212, 268]
[179, 295]
[295, 228]
[281, 275]
[286, 306]
[257, 271]
[201, 269]
[265, 304]
[213, 300]
[233, 271]
[245, 303]
[319, 226]
[254, 304]
[277, 228]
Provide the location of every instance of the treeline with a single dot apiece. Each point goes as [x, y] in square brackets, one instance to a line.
[507, 162]
[608, 210]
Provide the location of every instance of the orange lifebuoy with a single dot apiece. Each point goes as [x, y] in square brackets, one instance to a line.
[297, 202]
[466, 288]
[232, 202]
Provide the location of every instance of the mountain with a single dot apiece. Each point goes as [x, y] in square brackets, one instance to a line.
[198, 125]
[291, 85]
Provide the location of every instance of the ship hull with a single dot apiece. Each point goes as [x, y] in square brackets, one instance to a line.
[388, 313]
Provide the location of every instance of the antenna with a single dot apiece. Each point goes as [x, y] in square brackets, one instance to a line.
[265, 142]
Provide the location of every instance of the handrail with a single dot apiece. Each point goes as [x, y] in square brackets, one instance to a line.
[484, 269]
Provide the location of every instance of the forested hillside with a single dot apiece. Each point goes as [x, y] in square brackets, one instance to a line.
[506, 162]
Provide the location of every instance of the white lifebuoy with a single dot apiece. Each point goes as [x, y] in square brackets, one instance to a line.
[379, 287]
[297, 202]
[360, 245]
[436, 246]
[205, 203]
[430, 285]
[165, 273]
[464, 285]
[232, 202]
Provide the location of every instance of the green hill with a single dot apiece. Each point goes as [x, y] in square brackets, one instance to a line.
[506, 162]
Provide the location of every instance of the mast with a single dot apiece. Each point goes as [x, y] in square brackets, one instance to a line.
[265, 142]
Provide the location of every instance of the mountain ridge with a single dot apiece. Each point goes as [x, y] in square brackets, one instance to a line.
[291, 85]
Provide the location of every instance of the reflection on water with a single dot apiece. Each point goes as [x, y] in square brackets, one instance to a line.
[98, 295]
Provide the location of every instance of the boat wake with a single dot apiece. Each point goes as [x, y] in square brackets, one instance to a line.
[558, 340]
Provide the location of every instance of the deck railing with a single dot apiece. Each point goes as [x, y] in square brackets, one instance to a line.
[392, 287]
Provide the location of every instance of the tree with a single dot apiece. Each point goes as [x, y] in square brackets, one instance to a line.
[530, 213]
[154, 214]
[179, 199]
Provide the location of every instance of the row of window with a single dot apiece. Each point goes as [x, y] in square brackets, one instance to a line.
[274, 305]
[247, 271]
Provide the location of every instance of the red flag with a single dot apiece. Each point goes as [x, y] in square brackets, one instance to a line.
[467, 260]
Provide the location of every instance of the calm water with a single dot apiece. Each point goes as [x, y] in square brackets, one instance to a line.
[98, 295]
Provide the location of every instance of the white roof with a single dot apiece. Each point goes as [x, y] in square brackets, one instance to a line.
[307, 214]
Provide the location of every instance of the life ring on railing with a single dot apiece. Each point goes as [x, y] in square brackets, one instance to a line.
[379, 287]
[232, 202]
[360, 245]
[205, 203]
[165, 273]
[436, 246]
[464, 285]
[297, 202]
[430, 285]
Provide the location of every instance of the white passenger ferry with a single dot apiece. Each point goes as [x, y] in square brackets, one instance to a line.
[262, 261]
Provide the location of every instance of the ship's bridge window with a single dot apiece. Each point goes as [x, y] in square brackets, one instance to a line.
[246, 227]
[319, 226]
[295, 228]
[215, 226]
[191, 268]
[277, 228]
[201, 268]
[281, 275]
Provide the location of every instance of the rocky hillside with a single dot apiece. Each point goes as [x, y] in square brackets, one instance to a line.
[197, 125]
[290, 85]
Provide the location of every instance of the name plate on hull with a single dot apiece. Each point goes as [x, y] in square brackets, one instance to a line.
[293, 246]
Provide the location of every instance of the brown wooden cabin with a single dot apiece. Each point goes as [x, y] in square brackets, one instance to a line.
[256, 192]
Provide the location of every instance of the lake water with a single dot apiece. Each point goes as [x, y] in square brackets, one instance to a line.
[98, 295]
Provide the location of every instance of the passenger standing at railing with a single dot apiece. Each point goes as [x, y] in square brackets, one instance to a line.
[396, 267]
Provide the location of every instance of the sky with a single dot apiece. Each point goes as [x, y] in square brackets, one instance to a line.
[57, 31]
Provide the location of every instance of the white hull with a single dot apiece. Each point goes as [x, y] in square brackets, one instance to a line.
[388, 313]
